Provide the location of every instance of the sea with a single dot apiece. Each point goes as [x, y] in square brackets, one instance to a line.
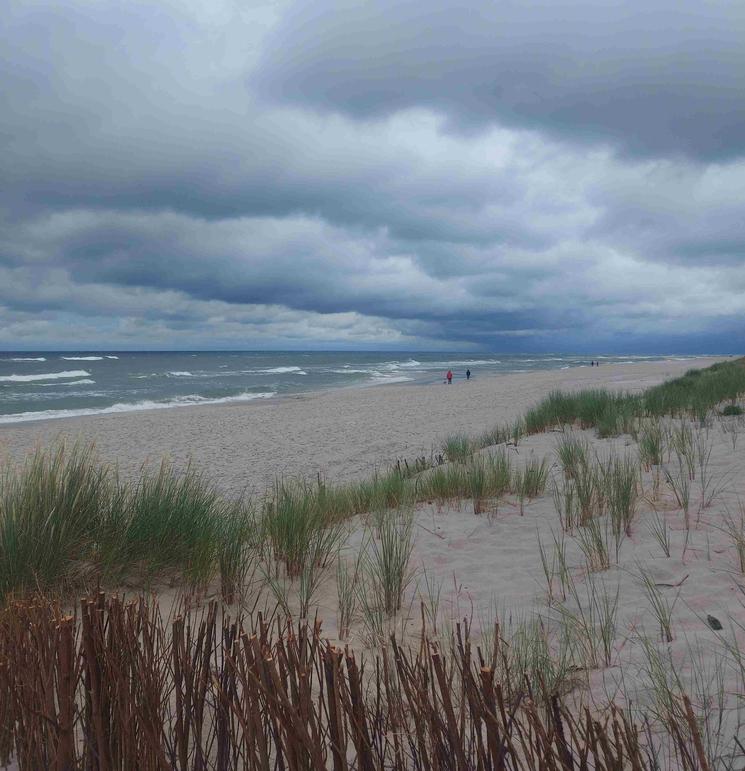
[42, 385]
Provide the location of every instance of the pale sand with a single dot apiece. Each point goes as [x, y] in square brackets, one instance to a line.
[484, 565]
[341, 434]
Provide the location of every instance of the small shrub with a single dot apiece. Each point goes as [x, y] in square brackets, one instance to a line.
[732, 409]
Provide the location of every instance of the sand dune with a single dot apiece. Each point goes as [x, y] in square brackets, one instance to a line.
[478, 568]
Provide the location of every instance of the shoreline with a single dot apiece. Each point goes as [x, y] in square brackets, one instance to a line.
[423, 380]
[339, 433]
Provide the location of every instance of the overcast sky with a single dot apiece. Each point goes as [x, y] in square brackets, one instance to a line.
[560, 175]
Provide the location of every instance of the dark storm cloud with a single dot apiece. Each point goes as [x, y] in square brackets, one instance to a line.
[390, 192]
[657, 78]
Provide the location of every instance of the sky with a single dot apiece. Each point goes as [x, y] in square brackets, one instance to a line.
[503, 175]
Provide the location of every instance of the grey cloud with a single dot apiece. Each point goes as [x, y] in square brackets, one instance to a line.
[664, 77]
[149, 193]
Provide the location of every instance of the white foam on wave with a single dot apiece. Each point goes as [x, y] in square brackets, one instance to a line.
[84, 381]
[395, 366]
[379, 378]
[281, 371]
[180, 401]
[461, 363]
[28, 358]
[112, 357]
[82, 358]
[179, 374]
[45, 376]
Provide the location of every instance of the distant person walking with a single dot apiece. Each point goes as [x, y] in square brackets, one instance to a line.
[468, 374]
[449, 376]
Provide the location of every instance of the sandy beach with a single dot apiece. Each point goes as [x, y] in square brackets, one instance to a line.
[517, 561]
[341, 434]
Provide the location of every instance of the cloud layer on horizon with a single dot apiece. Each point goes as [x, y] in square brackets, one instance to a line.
[288, 174]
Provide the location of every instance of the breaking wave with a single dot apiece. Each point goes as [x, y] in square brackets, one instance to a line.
[180, 401]
[45, 376]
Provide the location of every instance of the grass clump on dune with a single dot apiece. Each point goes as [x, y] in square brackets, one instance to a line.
[167, 521]
[298, 526]
[65, 518]
[530, 481]
[387, 560]
[586, 408]
[484, 476]
[694, 395]
[51, 513]
[458, 448]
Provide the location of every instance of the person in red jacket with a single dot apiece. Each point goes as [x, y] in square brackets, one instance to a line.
[449, 376]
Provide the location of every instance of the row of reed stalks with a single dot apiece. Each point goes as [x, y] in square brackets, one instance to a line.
[114, 685]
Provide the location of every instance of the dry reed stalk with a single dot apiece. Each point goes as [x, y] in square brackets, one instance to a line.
[118, 687]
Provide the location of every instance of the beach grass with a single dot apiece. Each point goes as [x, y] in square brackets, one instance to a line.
[621, 482]
[692, 395]
[387, 559]
[735, 529]
[659, 530]
[51, 516]
[590, 621]
[652, 443]
[458, 448]
[64, 516]
[661, 607]
[572, 451]
[484, 476]
[532, 479]
[169, 520]
[731, 409]
[298, 525]
[347, 581]
[65, 519]
[593, 538]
